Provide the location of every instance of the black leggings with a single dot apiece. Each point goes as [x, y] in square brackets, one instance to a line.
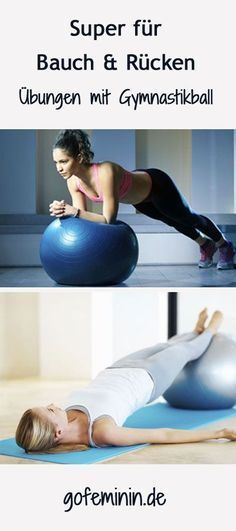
[166, 203]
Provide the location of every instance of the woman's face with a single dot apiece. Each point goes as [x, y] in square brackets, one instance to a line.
[65, 164]
[55, 414]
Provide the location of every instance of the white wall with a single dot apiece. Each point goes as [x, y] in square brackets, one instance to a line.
[101, 330]
[45, 335]
[19, 335]
[68, 334]
[190, 303]
[73, 335]
[65, 335]
[123, 322]
[139, 320]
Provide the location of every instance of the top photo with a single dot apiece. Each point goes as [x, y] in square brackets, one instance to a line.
[119, 208]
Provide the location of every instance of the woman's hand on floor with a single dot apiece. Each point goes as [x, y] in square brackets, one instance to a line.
[227, 433]
[60, 209]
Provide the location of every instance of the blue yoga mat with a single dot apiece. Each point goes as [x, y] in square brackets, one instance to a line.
[154, 416]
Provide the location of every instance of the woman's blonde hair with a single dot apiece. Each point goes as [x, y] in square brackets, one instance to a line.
[37, 434]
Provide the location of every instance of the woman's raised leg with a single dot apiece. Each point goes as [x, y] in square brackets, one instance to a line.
[165, 366]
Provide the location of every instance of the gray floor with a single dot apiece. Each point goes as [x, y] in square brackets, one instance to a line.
[143, 276]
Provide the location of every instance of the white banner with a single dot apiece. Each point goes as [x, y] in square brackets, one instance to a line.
[117, 497]
[117, 64]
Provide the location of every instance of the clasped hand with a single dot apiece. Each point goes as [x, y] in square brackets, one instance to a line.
[60, 209]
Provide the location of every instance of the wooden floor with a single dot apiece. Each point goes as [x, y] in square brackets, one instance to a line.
[16, 396]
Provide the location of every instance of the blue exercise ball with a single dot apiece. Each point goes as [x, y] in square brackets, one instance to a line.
[210, 381]
[83, 253]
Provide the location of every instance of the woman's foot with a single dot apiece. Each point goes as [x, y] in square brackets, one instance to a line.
[226, 256]
[200, 324]
[215, 322]
[207, 250]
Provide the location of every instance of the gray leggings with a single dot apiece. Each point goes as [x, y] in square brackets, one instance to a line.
[164, 361]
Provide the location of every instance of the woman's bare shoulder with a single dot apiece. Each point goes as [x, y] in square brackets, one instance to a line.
[108, 167]
[101, 428]
[72, 183]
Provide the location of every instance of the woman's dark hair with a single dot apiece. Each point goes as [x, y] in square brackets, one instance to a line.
[75, 142]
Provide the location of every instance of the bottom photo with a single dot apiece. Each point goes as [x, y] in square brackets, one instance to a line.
[107, 376]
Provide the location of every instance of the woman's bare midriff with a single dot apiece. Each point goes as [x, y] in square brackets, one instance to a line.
[140, 189]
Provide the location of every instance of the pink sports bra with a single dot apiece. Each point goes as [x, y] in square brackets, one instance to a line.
[125, 185]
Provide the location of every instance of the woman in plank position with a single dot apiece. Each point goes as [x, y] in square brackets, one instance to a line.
[94, 415]
[151, 191]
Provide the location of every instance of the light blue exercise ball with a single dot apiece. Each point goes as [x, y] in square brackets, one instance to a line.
[210, 381]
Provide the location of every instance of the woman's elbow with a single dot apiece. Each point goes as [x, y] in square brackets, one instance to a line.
[109, 220]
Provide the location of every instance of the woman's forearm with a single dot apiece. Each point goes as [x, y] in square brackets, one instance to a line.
[120, 436]
[172, 436]
[61, 209]
[91, 216]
